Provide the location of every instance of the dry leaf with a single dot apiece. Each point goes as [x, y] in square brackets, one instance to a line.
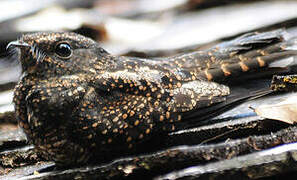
[285, 111]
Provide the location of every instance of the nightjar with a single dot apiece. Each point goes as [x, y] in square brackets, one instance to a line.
[78, 103]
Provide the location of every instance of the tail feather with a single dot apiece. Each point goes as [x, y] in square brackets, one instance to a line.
[256, 56]
[252, 40]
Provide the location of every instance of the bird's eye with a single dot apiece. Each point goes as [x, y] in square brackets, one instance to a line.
[63, 50]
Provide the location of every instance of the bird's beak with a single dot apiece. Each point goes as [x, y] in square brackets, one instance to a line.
[17, 44]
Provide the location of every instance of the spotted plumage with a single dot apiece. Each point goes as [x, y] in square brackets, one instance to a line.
[77, 102]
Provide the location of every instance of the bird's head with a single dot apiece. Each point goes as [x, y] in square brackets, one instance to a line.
[58, 53]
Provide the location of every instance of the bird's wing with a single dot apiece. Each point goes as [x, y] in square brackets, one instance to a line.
[165, 90]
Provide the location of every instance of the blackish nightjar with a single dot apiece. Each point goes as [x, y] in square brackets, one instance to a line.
[76, 102]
